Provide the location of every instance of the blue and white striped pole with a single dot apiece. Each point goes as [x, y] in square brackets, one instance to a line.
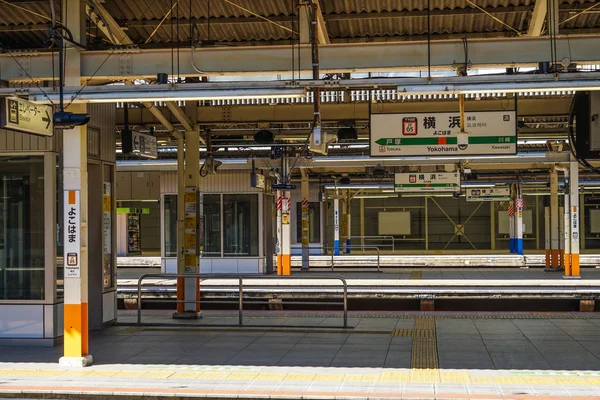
[519, 205]
[336, 226]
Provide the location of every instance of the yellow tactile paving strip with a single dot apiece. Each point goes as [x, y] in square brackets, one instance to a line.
[424, 346]
[414, 376]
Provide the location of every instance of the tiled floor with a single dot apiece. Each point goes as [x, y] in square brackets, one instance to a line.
[477, 355]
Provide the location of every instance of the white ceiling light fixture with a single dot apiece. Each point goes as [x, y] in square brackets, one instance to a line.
[169, 95]
[503, 87]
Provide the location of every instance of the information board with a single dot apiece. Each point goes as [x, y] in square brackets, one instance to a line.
[426, 134]
[22, 115]
[488, 194]
[427, 182]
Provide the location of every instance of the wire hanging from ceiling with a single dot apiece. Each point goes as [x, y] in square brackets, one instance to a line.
[259, 16]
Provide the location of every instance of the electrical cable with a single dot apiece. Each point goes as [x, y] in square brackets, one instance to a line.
[172, 45]
[27, 10]
[27, 73]
[91, 77]
[258, 16]
[428, 39]
[178, 44]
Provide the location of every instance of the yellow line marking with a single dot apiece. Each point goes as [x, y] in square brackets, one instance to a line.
[416, 275]
[300, 377]
[271, 377]
[243, 375]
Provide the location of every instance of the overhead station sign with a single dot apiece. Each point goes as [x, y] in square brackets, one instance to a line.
[427, 134]
[24, 116]
[427, 182]
[139, 144]
[488, 194]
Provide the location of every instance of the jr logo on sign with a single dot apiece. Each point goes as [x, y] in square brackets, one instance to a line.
[409, 126]
[72, 259]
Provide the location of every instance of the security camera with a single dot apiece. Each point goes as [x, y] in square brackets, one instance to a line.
[69, 120]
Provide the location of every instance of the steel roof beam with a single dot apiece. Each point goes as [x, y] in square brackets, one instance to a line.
[106, 23]
[334, 58]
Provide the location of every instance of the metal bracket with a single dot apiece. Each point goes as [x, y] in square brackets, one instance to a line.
[125, 64]
[226, 113]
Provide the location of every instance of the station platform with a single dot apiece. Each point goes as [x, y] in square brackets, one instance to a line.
[422, 286]
[370, 259]
[409, 355]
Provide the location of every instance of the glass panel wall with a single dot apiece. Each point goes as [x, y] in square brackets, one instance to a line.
[240, 218]
[212, 225]
[314, 219]
[22, 228]
[230, 225]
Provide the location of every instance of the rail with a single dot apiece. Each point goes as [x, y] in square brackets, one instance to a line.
[240, 285]
[340, 256]
[373, 238]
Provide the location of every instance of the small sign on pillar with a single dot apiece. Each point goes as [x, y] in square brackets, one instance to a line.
[190, 238]
[73, 226]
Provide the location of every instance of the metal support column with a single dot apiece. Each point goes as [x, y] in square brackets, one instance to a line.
[554, 218]
[188, 288]
[336, 226]
[305, 238]
[574, 271]
[286, 236]
[75, 185]
[426, 223]
[492, 225]
[278, 245]
[519, 205]
[362, 222]
[566, 237]
[348, 219]
[547, 245]
[561, 236]
[511, 220]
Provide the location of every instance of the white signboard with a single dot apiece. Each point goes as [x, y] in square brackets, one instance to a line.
[107, 218]
[72, 234]
[488, 194]
[426, 134]
[427, 182]
[143, 145]
[22, 115]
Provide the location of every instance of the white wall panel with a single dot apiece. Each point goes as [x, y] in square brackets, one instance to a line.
[221, 182]
[22, 321]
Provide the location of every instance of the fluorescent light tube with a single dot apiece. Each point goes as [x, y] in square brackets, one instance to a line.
[170, 95]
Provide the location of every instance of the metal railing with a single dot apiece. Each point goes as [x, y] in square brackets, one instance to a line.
[240, 285]
[381, 238]
[341, 248]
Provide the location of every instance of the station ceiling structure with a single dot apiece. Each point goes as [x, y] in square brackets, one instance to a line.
[370, 52]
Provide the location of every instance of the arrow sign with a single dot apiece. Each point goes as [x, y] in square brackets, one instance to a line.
[24, 116]
[47, 119]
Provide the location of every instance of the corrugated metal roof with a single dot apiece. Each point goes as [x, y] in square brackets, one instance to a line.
[22, 24]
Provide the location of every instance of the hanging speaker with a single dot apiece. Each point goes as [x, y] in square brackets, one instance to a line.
[347, 133]
[264, 137]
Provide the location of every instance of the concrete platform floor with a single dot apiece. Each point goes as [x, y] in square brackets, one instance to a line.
[129, 276]
[384, 355]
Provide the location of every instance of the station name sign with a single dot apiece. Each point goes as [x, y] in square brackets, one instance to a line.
[139, 144]
[24, 116]
[488, 194]
[430, 134]
[427, 182]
